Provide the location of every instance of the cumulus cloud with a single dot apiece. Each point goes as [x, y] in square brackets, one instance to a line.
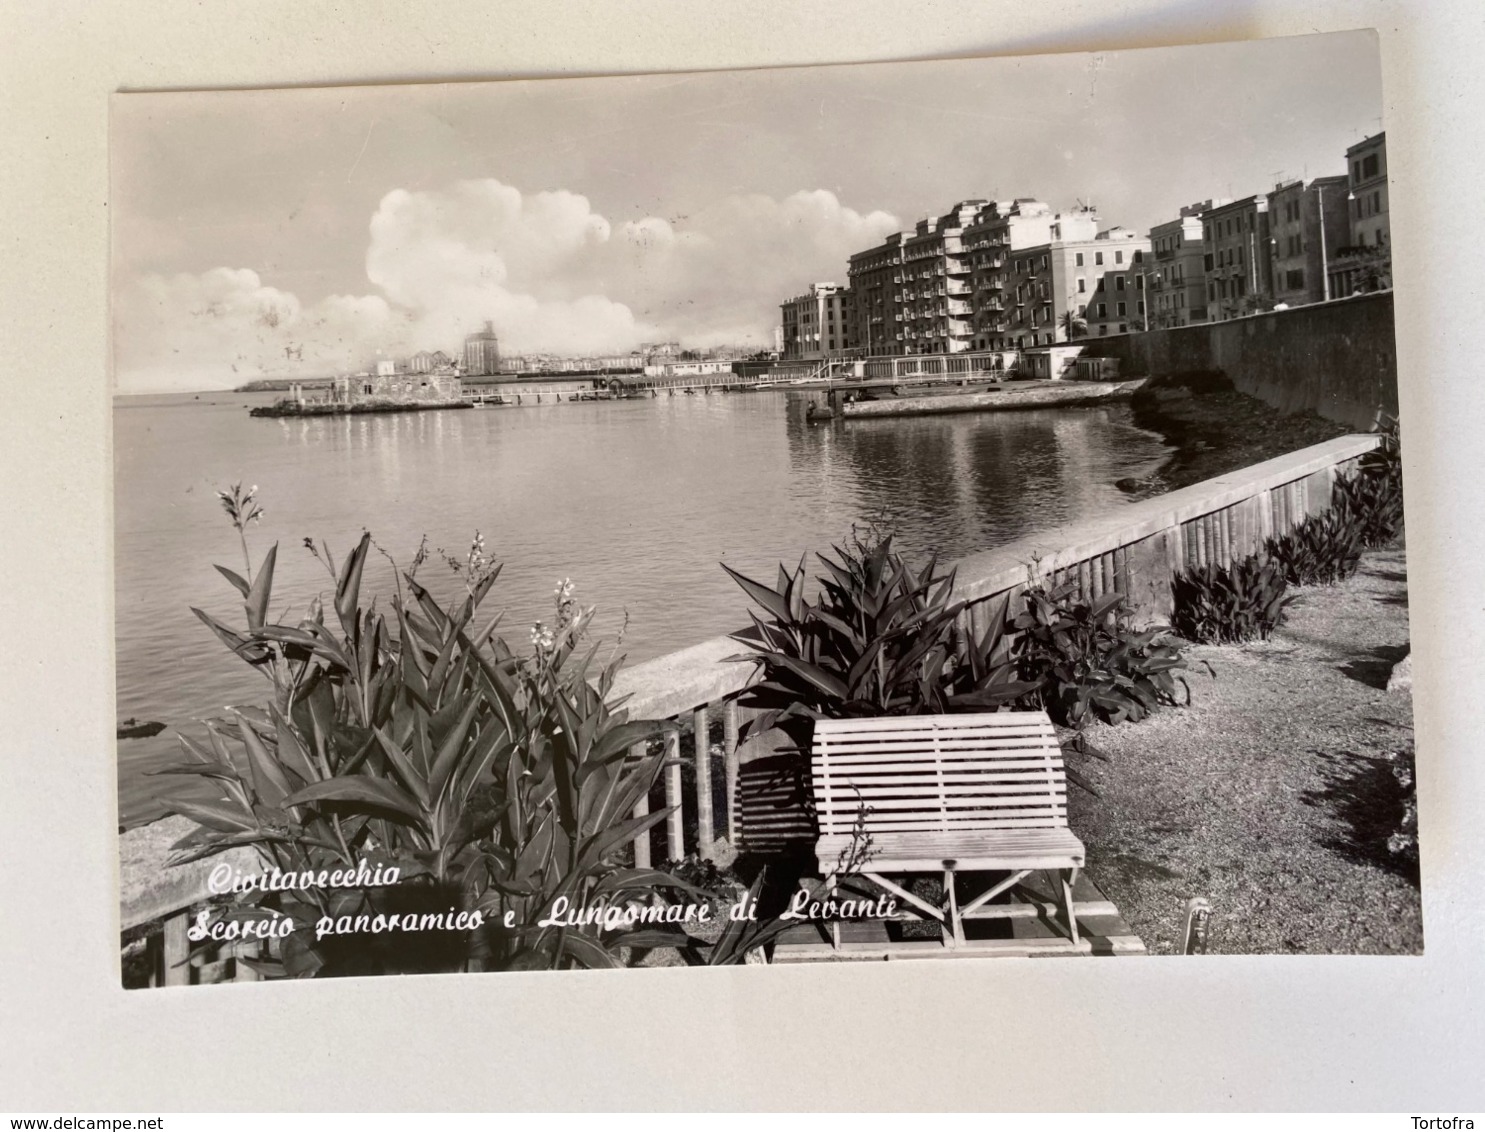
[551, 274]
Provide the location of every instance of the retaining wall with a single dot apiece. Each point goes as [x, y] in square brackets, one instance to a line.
[1337, 359]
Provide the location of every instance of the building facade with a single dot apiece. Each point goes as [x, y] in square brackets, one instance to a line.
[482, 352]
[1057, 291]
[1175, 282]
[913, 292]
[1001, 229]
[874, 324]
[935, 300]
[814, 323]
[1237, 259]
[1365, 264]
[1308, 225]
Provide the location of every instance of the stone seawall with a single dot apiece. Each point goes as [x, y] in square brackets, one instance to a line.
[1337, 359]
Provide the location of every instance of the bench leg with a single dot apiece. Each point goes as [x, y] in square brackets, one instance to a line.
[953, 925]
[1069, 878]
[832, 884]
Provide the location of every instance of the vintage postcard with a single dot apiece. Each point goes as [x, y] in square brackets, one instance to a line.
[939, 510]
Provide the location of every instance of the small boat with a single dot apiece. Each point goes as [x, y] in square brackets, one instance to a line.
[814, 412]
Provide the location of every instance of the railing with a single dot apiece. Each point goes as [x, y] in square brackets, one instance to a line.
[1134, 549]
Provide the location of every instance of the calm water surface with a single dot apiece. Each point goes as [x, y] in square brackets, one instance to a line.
[636, 501]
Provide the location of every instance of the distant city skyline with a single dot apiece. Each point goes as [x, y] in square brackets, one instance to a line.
[293, 232]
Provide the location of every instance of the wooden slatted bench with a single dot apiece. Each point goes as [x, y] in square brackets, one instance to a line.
[944, 794]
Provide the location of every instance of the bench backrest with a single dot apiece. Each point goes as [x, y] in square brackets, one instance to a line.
[939, 773]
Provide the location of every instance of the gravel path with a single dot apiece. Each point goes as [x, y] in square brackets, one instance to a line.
[1270, 795]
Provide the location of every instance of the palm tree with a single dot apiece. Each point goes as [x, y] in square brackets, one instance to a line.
[1073, 324]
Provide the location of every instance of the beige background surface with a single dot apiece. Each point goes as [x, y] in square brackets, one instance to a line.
[1173, 1033]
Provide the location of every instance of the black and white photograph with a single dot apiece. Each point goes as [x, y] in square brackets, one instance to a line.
[946, 510]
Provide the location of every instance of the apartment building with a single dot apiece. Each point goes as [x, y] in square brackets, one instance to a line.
[1000, 229]
[1365, 264]
[1175, 282]
[814, 323]
[911, 293]
[1308, 225]
[1056, 291]
[1236, 258]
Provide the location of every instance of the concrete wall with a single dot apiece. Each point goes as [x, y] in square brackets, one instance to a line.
[1337, 359]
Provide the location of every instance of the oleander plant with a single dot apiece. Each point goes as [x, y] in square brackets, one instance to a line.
[465, 793]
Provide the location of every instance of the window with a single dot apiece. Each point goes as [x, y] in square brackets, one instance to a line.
[1294, 280]
[1119, 256]
[1080, 259]
[1119, 309]
[1369, 166]
[1098, 259]
[1119, 283]
[1082, 285]
[1103, 310]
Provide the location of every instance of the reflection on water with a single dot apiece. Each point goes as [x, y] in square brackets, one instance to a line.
[636, 501]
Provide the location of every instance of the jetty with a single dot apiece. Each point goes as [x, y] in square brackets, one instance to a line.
[1035, 395]
[289, 408]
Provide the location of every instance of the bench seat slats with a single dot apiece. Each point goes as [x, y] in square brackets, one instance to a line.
[991, 721]
[990, 749]
[919, 797]
[842, 768]
[952, 782]
[1056, 848]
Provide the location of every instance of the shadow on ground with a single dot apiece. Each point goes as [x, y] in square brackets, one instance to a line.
[1364, 795]
[1374, 667]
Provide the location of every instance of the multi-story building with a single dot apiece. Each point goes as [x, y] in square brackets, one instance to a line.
[1307, 226]
[875, 324]
[1056, 291]
[814, 323]
[1000, 229]
[482, 352]
[1175, 281]
[1365, 264]
[1236, 257]
[1117, 304]
[1366, 162]
[911, 293]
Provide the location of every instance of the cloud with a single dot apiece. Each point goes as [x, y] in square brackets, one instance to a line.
[550, 272]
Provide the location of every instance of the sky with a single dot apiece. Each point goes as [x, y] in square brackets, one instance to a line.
[299, 232]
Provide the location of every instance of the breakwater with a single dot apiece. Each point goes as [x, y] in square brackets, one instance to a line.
[1044, 395]
[351, 408]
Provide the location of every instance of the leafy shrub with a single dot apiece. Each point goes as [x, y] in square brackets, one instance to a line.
[1085, 663]
[1322, 550]
[1215, 604]
[1366, 511]
[492, 782]
[1375, 493]
[882, 639]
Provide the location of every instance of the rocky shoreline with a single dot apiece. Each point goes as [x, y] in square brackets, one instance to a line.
[1214, 429]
